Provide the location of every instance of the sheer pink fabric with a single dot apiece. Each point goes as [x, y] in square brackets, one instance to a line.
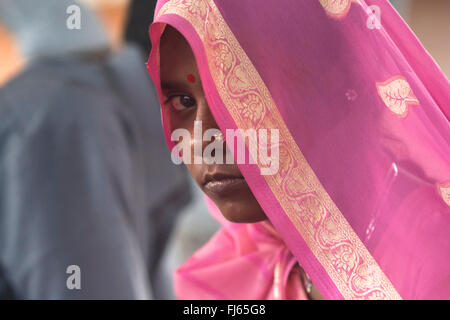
[241, 261]
[369, 111]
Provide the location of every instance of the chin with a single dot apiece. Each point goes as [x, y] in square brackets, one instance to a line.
[234, 219]
[242, 212]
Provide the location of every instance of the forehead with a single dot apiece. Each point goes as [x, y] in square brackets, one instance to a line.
[177, 58]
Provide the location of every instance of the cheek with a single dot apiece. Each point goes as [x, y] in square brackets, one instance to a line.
[180, 120]
[196, 172]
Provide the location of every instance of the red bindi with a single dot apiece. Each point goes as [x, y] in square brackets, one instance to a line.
[190, 78]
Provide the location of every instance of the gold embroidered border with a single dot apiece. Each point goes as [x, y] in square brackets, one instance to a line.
[329, 236]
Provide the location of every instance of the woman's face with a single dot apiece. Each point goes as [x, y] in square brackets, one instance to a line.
[185, 102]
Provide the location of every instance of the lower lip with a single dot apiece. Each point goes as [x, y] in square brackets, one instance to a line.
[225, 186]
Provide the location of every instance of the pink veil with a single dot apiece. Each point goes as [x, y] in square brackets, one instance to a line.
[361, 198]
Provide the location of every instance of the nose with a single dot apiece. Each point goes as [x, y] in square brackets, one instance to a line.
[206, 118]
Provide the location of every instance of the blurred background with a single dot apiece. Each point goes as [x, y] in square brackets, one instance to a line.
[429, 19]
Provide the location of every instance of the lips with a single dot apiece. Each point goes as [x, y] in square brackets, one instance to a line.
[223, 184]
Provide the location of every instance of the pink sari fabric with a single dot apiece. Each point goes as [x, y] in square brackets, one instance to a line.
[253, 255]
[361, 198]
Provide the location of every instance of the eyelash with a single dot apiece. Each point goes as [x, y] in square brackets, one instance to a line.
[173, 96]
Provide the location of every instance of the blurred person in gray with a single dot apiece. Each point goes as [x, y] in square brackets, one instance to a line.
[140, 16]
[85, 175]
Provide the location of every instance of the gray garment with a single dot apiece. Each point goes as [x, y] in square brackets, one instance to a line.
[192, 231]
[85, 179]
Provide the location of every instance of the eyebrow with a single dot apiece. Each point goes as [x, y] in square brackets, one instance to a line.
[175, 85]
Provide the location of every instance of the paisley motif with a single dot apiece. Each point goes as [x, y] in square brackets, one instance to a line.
[444, 191]
[336, 8]
[397, 95]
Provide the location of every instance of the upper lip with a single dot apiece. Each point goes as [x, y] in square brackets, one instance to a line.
[217, 176]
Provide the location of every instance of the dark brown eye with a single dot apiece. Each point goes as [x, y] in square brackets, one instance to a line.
[182, 102]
